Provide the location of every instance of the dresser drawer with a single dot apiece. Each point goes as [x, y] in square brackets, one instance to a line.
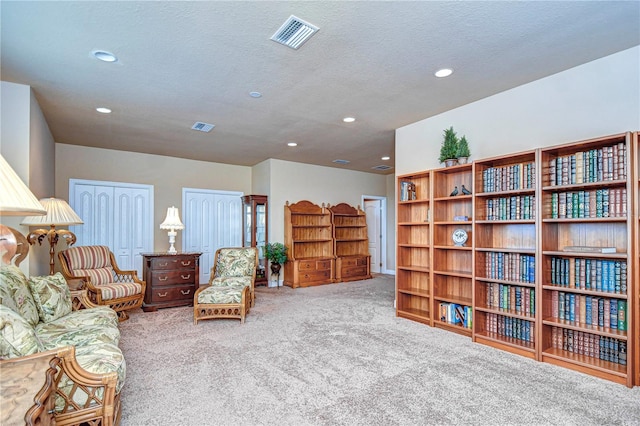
[354, 271]
[311, 276]
[172, 263]
[314, 265]
[354, 261]
[161, 278]
[167, 294]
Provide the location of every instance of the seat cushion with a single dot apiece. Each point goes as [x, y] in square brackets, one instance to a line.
[118, 290]
[99, 315]
[231, 281]
[217, 295]
[52, 296]
[98, 276]
[55, 335]
[17, 336]
[17, 285]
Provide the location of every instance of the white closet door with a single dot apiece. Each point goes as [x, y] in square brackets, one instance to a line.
[212, 220]
[118, 215]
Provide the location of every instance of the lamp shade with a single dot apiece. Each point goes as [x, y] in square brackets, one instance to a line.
[15, 197]
[58, 213]
[172, 221]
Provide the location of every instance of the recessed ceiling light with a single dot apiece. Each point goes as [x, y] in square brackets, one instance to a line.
[103, 110]
[385, 158]
[444, 72]
[292, 144]
[348, 119]
[255, 94]
[104, 56]
[341, 161]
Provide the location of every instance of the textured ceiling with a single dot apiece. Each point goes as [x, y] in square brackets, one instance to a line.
[182, 62]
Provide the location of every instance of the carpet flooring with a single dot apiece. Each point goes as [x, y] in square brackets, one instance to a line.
[338, 355]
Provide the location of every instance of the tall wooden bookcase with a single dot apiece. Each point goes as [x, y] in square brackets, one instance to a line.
[505, 253]
[585, 203]
[413, 254]
[351, 243]
[451, 264]
[535, 268]
[308, 235]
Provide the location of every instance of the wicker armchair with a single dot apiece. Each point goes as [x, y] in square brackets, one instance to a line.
[230, 292]
[105, 283]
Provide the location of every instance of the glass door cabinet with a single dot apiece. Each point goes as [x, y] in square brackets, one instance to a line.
[254, 230]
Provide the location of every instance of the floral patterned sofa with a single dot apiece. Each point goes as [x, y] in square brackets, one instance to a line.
[40, 314]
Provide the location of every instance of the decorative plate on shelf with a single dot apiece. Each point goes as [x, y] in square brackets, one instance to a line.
[459, 237]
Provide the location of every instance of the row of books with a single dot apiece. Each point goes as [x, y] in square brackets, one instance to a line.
[407, 190]
[582, 343]
[508, 178]
[515, 328]
[511, 298]
[520, 207]
[595, 311]
[605, 202]
[456, 314]
[510, 267]
[590, 274]
[595, 165]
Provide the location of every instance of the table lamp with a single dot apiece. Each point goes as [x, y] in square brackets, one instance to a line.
[58, 213]
[15, 200]
[172, 222]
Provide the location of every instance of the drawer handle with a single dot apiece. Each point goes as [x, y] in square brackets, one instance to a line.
[163, 294]
[185, 278]
[306, 275]
[185, 292]
[186, 262]
[163, 263]
[162, 278]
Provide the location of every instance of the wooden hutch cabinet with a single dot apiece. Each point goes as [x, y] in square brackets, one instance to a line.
[351, 243]
[255, 220]
[172, 279]
[308, 235]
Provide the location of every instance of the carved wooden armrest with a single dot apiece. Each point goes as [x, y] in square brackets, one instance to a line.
[80, 300]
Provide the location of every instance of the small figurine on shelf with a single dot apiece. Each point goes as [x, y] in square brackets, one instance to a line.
[465, 191]
[454, 193]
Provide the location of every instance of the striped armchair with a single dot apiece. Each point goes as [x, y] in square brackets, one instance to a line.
[105, 283]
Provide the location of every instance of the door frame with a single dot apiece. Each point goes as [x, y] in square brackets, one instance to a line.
[383, 231]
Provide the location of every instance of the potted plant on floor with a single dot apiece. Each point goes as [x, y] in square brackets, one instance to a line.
[463, 152]
[449, 148]
[276, 253]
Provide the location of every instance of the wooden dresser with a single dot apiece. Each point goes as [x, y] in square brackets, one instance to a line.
[172, 279]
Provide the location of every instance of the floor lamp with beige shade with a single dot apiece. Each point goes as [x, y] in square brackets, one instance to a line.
[15, 200]
[59, 212]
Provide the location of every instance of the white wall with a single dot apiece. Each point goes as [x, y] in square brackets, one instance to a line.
[168, 175]
[27, 145]
[595, 99]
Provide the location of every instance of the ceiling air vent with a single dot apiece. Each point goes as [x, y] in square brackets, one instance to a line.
[294, 32]
[203, 127]
[341, 161]
[382, 167]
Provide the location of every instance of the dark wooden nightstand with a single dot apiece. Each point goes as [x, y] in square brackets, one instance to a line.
[172, 279]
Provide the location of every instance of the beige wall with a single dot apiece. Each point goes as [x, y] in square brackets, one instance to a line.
[28, 146]
[595, 99]
[168, 176]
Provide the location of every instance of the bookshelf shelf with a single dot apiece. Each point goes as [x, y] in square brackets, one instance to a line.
[578, 309]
